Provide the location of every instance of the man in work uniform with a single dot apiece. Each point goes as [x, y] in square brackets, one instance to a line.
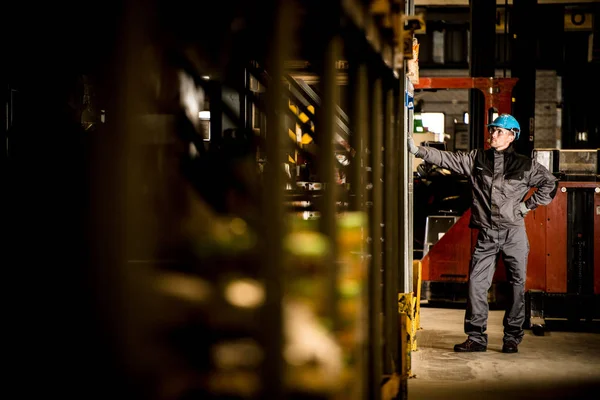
[500, 180]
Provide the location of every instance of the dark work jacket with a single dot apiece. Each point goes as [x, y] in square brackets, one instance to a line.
[500, 181]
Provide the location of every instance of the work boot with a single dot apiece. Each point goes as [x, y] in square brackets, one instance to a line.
[510, 347]
[469, 346]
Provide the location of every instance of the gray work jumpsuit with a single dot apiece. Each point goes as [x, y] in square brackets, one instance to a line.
[500, 180]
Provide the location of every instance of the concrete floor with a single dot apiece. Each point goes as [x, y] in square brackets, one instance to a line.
[562, 364]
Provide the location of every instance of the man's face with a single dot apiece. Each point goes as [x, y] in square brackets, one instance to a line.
[500, 138]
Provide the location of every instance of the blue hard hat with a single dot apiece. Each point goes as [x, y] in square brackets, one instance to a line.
[507, 121]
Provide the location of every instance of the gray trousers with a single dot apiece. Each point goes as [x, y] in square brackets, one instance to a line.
[513, 246]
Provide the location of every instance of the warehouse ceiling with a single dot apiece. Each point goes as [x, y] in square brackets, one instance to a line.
[465, 3]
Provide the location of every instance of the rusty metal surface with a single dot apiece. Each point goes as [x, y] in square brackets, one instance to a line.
[448, 260]
[556, 239]
[535, 223]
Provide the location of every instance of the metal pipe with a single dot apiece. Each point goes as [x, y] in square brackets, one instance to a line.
[406, 188]
[273, 371]
[398, 181]
[327, 161]
[358, 138]
[358, 121]
[405, 277]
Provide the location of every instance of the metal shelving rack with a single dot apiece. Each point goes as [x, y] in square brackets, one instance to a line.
[203, 255]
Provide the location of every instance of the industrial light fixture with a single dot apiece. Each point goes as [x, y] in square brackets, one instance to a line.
[204, 117]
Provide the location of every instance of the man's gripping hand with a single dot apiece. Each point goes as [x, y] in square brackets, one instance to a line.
[412, 148]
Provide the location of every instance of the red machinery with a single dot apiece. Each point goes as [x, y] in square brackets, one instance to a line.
[447, 263]
[563, 276]
[563, 271]
[496, 91]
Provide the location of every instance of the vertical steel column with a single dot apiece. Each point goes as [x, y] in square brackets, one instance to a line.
[406, 188]
[390, 245]
[523, 68]
[359, 134]
[483, 45]
[111, 202]
[405, 284]
[398, 246]
[273, 372]
[326, 164]
[404, 124]
[215, 96]
[245, 106]
[358, 81]
[375, 220]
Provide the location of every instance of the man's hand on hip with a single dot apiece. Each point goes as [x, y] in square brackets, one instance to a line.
[523, 209]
